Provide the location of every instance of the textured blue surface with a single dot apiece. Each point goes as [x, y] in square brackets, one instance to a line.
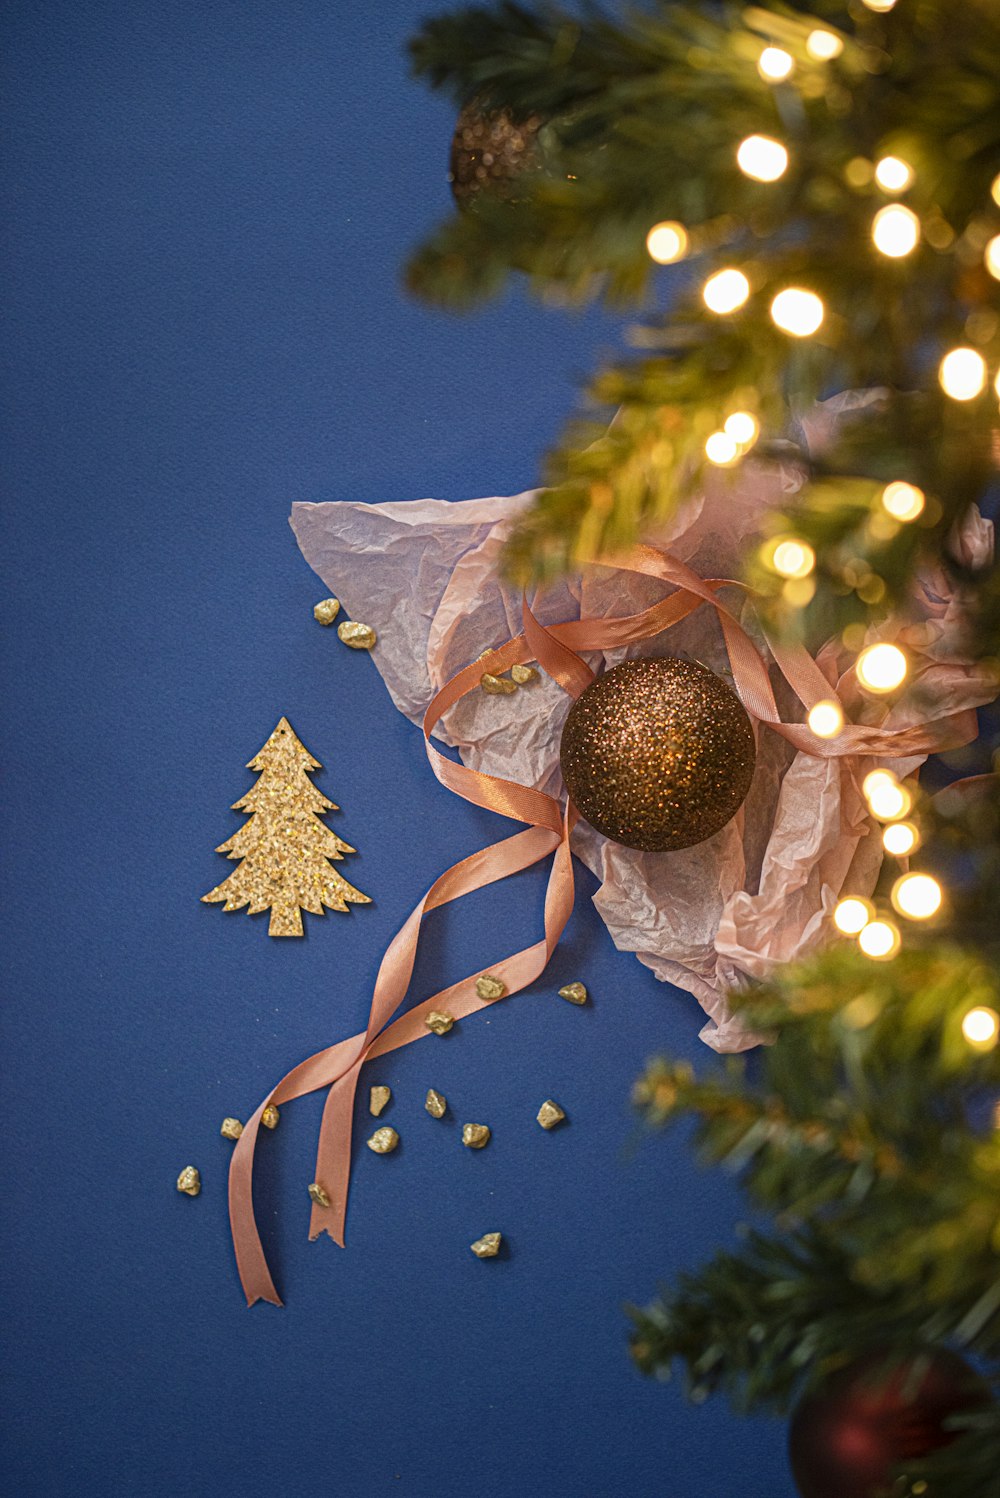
[207, 206]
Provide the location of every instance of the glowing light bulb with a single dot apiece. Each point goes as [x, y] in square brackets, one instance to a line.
[881, 668]
[880, 6]
[823, 45]
[742, 427]
[917, 896]
[896, 231]
[962, 374]
[852, 915]
[992, 257]
[793, 558]
[721, 449]
[826, 719]
[981, 1027]
[892, 174]
[797, 311]
[762, 158]
[725, 291]
[667, 242]
[774, 64]
[903, 501]
[900, 838]
[880, 940]
[887, 799]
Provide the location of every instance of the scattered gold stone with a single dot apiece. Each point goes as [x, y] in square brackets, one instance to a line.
[497, 686]
[438, 1022]
[436, 1105]
[231, 1128]
[486, 1247]
[269, 1117]
[524, 675]
[488, 987]
[574, 992]
[383, 1141]
[189, 1181]
[358, 636]
[318, 1195]
[474, 1136]
[327, 611]
[549, 1114]
[377, 1099]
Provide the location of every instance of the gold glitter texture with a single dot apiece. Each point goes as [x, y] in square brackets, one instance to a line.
[436, 1105]
[231, 1128]
[488, 987]
[550, 1114]
[573, 993]
[326, 611]
[439, 1022]
[358, 636]
[475, 1136]
[284, 847]
[383, 1141]
[486, 1247]
[378, 1097]
[189, 1181]
[269, 1117]
[658, 754]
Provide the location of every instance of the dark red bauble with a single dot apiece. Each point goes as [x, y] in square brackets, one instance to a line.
[849, 1438]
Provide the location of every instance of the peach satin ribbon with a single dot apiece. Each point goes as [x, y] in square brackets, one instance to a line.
[548, 827]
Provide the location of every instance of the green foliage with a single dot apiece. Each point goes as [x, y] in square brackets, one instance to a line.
[645, 114]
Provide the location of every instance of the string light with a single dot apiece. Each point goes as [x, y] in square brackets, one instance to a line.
[797, 311]
[893, 175]
[742, 427]
[852, 915]
[826, 718]
[981, 1027]
[775, 64]
[900, 838]
[880, 940]
[917, 896]
[896, 231]
[721, 449]
[824, 45]
[903, 501]
[887, 799]
[962, 374]
[992, 257]
[793, 558]
[762, 158]
[667, 242]
[881, 668]
[725, 291]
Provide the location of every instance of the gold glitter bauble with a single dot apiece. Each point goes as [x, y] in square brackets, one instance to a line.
[490, 151]
[658, 754]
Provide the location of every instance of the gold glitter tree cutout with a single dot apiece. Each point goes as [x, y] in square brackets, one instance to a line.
[285, 849]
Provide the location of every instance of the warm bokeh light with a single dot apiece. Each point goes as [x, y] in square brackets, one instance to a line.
[981, 1027]
[721, 449]
[892, 174]
[667, 242]
[774, 64]
[823, 45]
[900, 838]
[742, 427]
[793, 558]
[995, 189]
[826, 718]
[881, 6]
[896, 231]
[852, 915]
[879, 939]
[725, 291]
[903, 501]
[991, 256]
[762, 158]
[962, 374]
[917, 896]
[881, 667]
[887, 799]
[797, 311]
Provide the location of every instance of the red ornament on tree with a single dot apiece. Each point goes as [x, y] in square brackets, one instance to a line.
[852, 1437]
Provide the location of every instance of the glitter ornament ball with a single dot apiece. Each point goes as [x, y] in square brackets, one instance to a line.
[490, 152]
[658, 754]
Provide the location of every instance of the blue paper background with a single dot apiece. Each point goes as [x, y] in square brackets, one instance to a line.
[207, 204]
